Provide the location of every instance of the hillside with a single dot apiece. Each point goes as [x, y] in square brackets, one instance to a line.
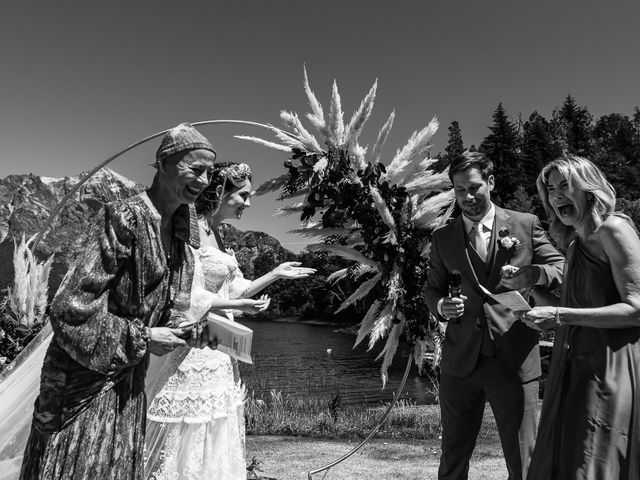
[26, 201]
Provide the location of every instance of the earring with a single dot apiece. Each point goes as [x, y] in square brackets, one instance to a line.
[224, 183]
[217, 209]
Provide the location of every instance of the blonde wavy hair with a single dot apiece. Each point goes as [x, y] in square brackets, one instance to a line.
[582, 175]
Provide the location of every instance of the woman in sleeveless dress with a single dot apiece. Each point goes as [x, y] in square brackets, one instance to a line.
[195, 423]
[590, 422]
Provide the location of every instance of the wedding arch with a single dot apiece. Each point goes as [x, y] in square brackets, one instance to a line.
[378, 215]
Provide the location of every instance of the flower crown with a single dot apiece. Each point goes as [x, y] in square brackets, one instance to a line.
[237, 173]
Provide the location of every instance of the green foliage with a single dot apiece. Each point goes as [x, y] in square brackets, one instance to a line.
[311, 297]
[631, 208]
[501, 146]
[612, 143]
[575, 124]
[618, 154]
[263, 264]
[454, 148]
[455, 145]
[538, 146]
[521, 201]
[341, 201]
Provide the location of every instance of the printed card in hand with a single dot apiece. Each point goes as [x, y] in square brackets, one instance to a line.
[234, 339]
[512, 300]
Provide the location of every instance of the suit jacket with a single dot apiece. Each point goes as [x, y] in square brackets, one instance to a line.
[516, 345]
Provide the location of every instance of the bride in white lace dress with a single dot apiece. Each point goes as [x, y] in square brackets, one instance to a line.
[195, 422]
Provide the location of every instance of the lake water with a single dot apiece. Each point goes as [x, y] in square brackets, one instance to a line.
[293, 358]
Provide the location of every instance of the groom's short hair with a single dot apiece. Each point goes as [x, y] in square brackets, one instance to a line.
[469, 159]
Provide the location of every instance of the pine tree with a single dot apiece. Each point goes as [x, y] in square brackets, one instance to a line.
[538, 148]
[455, 145]
[501, 146]
[635, 121]
[454, 148]
[615, 153]
[614, 133]
[577, 123]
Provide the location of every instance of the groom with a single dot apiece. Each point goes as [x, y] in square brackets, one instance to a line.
[488, 354]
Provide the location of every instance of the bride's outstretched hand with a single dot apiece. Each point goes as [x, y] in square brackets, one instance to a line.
[251, 306]
[267, 301]
[292, 270]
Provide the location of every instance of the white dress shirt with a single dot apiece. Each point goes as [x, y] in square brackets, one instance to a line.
[487, 224]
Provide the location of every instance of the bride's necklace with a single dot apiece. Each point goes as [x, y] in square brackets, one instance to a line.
[206, 227]
[213, 232]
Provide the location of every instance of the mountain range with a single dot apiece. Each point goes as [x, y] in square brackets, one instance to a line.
[26, 201]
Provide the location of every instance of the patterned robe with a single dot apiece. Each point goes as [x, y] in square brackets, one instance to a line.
[89, 420]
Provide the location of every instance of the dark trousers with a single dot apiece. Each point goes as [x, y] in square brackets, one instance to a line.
[462, 402]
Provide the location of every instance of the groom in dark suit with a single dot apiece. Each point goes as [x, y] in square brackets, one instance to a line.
[488, 354]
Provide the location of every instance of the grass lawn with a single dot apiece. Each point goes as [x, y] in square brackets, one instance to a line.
[290, 458]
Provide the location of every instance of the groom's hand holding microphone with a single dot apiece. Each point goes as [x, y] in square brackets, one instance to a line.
[452, 307]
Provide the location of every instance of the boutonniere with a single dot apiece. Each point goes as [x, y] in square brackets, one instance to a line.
[507, 240]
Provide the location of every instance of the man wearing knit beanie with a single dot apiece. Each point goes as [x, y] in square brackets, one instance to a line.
[180, 139]
[184, 163]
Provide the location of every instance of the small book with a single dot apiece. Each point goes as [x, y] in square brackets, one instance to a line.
[234, 339]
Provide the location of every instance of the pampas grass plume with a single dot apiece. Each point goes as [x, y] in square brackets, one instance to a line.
[415, 149]
[383, 134]
[361, 292]
[429, 211]
[317, 116]
[367, 322]
[336, 118]
[292, 121]
[260, 141]
[360, 117]
[28, 297]
[389, 351]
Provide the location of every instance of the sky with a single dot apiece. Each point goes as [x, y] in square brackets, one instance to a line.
[81, 80]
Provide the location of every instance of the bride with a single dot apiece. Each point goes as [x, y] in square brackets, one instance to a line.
[195, 422]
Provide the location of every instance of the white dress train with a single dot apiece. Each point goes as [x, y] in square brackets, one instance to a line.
[195, 422]
[19, 388]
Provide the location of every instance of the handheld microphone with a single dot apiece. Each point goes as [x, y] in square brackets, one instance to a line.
[455, 283]
[455, 288]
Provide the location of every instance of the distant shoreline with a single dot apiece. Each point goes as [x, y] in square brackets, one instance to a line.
[350, 329]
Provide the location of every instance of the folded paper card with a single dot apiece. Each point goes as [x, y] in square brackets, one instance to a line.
[512, 300]
[234, 339]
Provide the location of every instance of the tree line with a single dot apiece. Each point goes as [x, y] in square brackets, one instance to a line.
[520, 148]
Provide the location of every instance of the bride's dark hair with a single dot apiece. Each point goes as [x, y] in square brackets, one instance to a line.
[231, 176]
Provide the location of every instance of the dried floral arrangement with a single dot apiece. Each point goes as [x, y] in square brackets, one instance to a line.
[378, 215]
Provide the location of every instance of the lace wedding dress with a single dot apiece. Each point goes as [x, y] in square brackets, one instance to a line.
[195, 421]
